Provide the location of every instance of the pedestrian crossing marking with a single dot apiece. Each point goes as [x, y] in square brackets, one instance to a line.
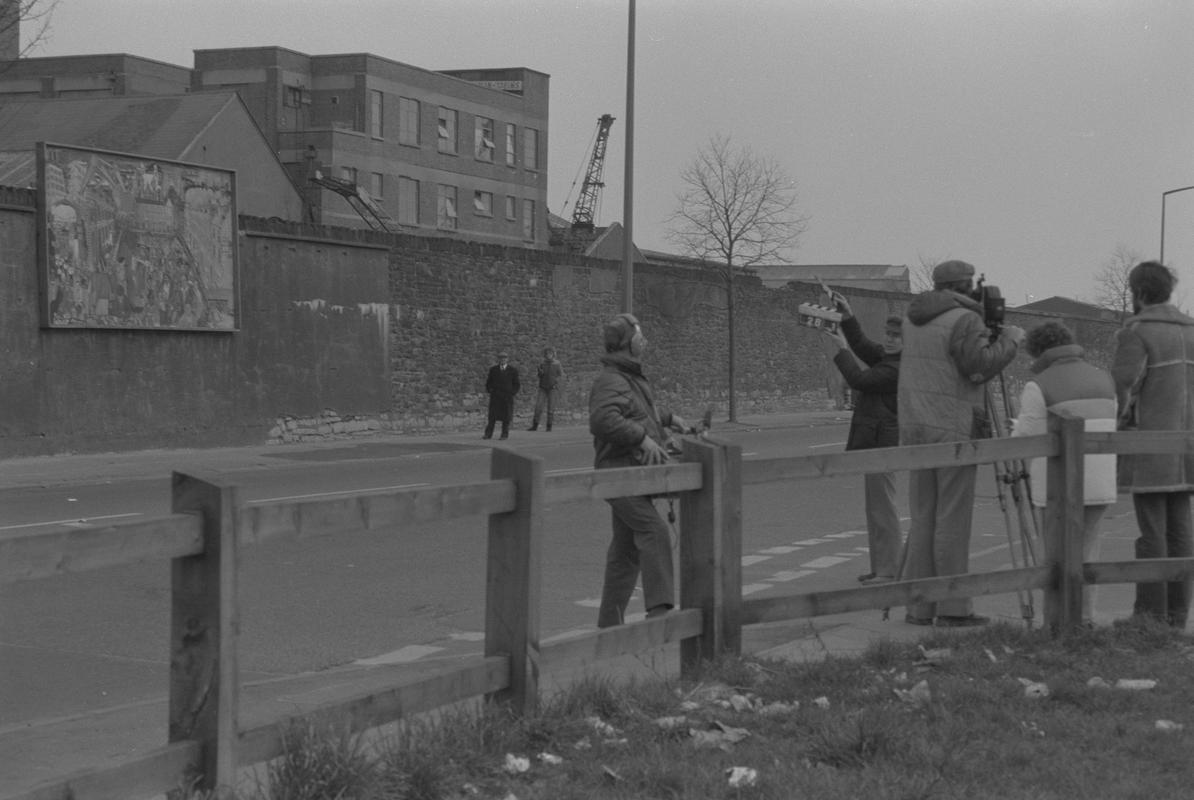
[748, 560]
[824, 561]
[780, 551]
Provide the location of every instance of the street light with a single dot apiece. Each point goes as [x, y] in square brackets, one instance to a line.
[1165, 195]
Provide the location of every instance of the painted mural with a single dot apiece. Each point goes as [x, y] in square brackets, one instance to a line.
[131, 242]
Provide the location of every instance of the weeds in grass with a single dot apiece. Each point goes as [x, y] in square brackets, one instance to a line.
[948, 717]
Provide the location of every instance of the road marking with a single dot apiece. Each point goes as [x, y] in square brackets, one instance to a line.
[824, 561]
[751, 588]
[843, 534]
[471, 636]
[75, 521]
[827, 444]
[341, 491]
[403, 655]
[780, 551]
[748, 560]
[812, 541]
[790, 575]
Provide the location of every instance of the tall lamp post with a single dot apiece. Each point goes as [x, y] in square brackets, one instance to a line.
[1164, 197]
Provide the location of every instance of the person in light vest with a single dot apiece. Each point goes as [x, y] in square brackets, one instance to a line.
[1065, 381]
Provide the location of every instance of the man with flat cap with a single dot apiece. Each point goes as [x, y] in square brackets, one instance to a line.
[949, 355]
[629, 430]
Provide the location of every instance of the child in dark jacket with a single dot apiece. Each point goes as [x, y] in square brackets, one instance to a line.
[873, 424]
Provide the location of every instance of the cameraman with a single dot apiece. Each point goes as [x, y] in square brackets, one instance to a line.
[949, 355]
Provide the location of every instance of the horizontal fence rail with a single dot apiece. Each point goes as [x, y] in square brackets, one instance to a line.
[202, 541]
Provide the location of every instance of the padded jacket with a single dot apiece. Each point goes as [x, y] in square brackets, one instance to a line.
[622, 412]
[947, 359]
[1065, 380]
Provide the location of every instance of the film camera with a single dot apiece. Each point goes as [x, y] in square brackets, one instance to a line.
[991, 300]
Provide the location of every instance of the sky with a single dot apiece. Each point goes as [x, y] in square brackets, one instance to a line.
[1031, 138]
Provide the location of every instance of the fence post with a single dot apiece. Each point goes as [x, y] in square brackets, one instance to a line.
[1064, 517]
[204, 626]
[513, 576]
[711, 551]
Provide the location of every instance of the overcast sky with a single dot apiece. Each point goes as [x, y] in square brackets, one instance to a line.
[1030, 137]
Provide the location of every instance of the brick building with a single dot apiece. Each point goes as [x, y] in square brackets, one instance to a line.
[372, 142]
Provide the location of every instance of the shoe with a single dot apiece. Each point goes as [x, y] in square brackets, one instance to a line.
[549, 429]
[504, 436]
[535, 428]
[911, 620]
[876, 579]
[968, 621]
[865, 578]
[487, 436]
[658, 611]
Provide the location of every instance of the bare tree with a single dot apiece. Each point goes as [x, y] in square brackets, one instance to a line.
[1111, 281]
[735, 210]
[921, 276]
[30, 17]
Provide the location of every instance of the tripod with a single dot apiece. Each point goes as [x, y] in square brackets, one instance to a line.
[1011, 478]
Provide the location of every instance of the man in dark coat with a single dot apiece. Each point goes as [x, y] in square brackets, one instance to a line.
[502, 384]
[1154, 381]
[628, 430]
[874, 424]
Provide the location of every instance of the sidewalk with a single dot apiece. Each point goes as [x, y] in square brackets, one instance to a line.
[73, 468]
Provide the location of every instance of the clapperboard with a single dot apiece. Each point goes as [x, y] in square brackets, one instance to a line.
[822, 318]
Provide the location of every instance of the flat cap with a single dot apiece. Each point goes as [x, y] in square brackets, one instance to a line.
[950, 271]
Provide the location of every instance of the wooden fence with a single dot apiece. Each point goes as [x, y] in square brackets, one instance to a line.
[209, 527]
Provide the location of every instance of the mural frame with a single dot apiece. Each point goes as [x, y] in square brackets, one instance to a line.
[128, 242]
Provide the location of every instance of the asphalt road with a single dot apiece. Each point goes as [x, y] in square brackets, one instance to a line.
[98, 640]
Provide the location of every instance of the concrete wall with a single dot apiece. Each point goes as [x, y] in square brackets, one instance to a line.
[347, 332]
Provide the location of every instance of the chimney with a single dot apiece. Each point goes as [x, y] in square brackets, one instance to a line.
[10, 30]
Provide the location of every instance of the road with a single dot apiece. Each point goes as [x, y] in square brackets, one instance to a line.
[91, 641]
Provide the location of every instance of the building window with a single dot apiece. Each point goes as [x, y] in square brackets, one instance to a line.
[349, 174]
[483, 135]
[528, 219]
[511, 207]
[408, 201]
[293, 98]
[375, 114]
[447, 130]
[408, 121]
[511, 154]
[376, 185]
[530, 148]
[483, 203]
[445, 208]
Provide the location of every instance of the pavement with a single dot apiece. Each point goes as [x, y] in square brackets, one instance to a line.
[36, 751]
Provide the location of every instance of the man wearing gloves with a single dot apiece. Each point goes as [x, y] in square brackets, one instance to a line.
[628, 430]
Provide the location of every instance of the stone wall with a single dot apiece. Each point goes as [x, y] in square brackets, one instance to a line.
[346, 333]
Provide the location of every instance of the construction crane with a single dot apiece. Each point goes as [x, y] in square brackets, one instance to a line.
[590, 189]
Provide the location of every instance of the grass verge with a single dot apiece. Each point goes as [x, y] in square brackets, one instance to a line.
[998, 713]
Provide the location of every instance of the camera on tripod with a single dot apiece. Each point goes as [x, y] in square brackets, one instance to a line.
[991, 300]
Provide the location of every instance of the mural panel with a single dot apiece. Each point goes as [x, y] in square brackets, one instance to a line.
[133, 242]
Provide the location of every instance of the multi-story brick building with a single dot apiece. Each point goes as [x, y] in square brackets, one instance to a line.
[373, 142]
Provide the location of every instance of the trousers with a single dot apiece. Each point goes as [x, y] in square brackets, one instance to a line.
[882, 523]
[545, 401]
[642, 544]
[1165, 532]
[941, 503]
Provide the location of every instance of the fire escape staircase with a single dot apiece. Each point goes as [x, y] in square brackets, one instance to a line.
[375, 216]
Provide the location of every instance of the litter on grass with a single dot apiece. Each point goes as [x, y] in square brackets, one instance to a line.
[739, 777]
